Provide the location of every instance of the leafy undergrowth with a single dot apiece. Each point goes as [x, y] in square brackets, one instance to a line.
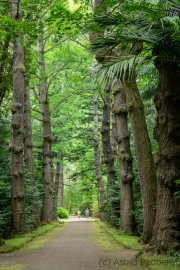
[157, 262]
[21, 240]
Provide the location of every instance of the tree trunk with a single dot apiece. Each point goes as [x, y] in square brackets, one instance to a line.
[17, 127]
[28, 155]
[59, 171]
[56, 186]
[59, 185]
[115, 188]
[166, 234]
[97, 158]
[1, 239]
[47, 138]
[107, 150]
[146, 167]
[125, 158]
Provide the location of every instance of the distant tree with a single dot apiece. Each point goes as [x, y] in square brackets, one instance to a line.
[97, 159]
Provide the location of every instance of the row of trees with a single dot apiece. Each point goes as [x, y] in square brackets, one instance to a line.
[33, 70]
[134, 34]
[54, 101]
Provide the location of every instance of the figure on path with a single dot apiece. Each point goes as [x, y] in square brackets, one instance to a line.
[87, 213]
[78, 213]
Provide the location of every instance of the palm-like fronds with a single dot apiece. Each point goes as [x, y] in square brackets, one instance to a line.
[125, 65]
[157, 31]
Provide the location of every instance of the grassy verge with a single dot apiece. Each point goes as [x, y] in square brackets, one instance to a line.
[115, 240]
[103, 239]
[12, 267]
[21, 240]
[121, 238]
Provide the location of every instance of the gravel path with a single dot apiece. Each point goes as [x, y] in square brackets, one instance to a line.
[74, 248]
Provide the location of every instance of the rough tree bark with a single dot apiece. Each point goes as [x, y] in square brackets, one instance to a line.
[166, 234]
[146, 168]
[125, 158]
[47, 137]
[17, 127]
[59, 171]
[56, 186]
[28, 154]
[58, 189]
[107, 149]
[105, 130]
[97, 158]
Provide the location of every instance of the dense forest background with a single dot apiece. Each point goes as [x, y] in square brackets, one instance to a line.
[89, 115]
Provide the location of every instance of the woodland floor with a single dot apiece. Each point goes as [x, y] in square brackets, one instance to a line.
[74, 247]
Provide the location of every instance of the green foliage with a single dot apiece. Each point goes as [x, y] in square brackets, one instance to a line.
[87, 203]
[177, 194]
[70, 97]
[5, 208]
[95, 209]
[68, 17]
[62, 212]
[5, 185]
[148, 24]
[137, 198]
[175, 258]
[29, 193]
[138, 215]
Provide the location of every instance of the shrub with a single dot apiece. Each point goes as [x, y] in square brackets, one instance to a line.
[62, 212]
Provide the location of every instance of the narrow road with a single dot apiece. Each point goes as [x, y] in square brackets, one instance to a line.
[74, 248]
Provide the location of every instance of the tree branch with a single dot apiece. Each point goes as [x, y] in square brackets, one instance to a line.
[11, 1]
[36, 110]
[36, 95]
[40, 120]
[61, 102]
[56, 45]
[55, 73]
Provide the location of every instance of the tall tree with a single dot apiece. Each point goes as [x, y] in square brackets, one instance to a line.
[57, 193]
[105, 129]
[97, 158]
[166, 231]
[146, 169]
[125, 158]
[160, 32]
[107, 149]
[46, 134]
[28, 153]
[135, 107]
[17, 127]
[60, 177]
